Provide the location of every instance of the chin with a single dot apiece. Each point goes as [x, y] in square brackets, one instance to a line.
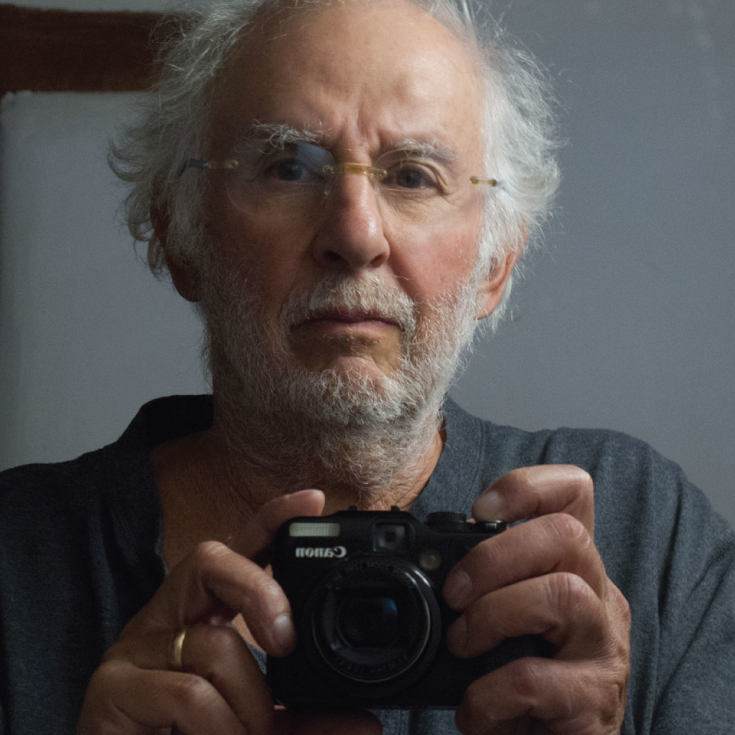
[359, 371]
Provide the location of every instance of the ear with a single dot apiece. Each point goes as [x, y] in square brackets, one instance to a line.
[491, 291]
[183, 277]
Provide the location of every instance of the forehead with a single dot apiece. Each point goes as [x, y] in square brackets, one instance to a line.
[360, 72]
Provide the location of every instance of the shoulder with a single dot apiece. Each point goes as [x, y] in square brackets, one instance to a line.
[611, 457]
[41, 493]
[56, 499]
[641, 497]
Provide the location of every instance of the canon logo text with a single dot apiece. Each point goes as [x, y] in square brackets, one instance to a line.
[320, 552]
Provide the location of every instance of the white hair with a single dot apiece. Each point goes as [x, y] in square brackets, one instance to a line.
[519, 127]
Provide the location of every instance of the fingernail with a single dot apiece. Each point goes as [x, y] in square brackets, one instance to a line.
[457, 636]
[458, 588]
[489, 506]
[284, 633]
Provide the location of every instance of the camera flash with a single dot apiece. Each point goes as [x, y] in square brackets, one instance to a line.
[300, 529]
[430, 560]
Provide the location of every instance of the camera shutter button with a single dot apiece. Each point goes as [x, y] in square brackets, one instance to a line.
[490, 526]
[447, 521]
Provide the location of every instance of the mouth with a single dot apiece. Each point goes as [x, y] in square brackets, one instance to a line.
[350, 317]
[346, 337]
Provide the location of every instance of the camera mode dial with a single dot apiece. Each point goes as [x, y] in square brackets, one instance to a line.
[447, 521]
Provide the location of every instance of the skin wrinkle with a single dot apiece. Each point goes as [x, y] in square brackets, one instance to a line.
[280, 134]
[563, 526]
[570, 596]
[348, 86]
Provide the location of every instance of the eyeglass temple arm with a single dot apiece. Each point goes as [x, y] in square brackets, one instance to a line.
[201, 163]
[481, 180]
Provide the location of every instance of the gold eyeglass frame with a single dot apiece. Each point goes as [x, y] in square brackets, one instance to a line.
[333, 170]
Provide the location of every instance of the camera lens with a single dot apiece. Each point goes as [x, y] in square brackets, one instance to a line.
[374, 620]
[368, 621]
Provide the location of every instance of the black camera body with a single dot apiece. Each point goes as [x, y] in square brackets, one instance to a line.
[365, 588]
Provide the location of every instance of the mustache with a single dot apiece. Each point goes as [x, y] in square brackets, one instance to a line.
[342, 293]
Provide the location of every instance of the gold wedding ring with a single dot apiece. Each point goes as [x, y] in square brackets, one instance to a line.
[176, 650]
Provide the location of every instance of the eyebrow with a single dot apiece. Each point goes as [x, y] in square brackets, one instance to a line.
[430, 148]
[280, 134]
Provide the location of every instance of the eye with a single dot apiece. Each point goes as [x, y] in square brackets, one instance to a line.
[288, 166]
[297, 163]
[411, 175]
[410, 178]
[291, 169]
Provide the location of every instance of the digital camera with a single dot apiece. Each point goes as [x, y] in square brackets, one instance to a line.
[365, 589]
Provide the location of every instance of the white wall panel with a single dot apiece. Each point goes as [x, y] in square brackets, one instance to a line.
[86, 333]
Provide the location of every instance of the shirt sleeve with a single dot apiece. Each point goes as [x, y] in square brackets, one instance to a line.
[697, 670]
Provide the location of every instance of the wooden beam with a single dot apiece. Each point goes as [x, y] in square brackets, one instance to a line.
[61, 50]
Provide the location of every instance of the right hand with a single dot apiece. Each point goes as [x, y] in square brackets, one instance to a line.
[221, 689]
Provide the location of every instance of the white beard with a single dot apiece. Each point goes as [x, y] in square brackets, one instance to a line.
[302, 428]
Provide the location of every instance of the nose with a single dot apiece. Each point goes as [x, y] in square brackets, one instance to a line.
[351, 234]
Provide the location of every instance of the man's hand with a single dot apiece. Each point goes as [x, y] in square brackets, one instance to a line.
[219, 688]
[543, 577]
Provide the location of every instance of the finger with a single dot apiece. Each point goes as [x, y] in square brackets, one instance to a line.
[539, 490]
[561, 607]
[219, 655]
[258, 534]
[568, 697]
[213, 584]
[552, 543]
[122, 699]
[354, 723]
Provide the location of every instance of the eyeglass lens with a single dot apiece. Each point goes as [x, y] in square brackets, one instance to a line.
[295, 178]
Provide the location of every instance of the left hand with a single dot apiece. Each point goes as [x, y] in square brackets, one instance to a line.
[213, 684]
[543, 577]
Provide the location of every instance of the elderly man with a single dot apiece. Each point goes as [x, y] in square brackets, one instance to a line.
[343, 189]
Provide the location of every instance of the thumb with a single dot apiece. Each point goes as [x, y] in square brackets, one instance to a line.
[254, 540]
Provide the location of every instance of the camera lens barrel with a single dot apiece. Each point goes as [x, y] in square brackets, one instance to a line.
[373, 619]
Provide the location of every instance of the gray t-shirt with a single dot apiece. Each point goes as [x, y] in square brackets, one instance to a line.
[79, 557]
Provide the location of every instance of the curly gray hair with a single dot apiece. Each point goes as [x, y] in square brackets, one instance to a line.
[519, 127]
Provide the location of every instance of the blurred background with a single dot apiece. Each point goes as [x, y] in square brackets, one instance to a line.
[625, 318]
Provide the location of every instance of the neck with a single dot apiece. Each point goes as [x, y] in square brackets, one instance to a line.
[367, 466]
[210, 484]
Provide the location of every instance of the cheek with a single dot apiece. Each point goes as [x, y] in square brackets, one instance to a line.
[433, 264]
[263, 252]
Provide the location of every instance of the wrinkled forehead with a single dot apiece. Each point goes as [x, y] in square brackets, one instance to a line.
[360, 70]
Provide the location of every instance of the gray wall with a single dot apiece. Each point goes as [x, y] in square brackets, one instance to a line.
[625, 320]
[86, 333]
[628, 319]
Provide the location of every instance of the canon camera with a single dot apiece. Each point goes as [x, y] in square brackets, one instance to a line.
[365, 588]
